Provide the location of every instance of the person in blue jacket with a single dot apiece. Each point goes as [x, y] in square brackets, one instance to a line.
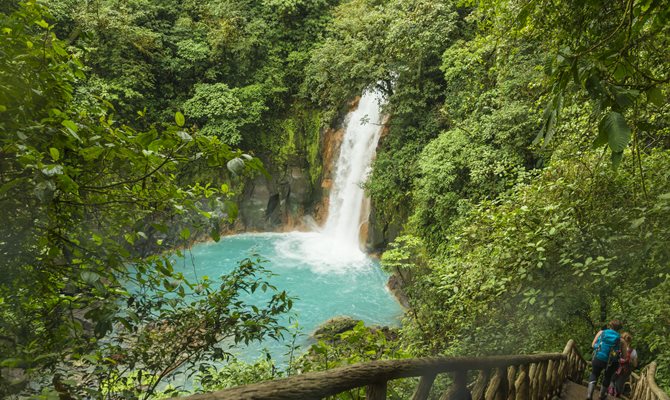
[605, 358]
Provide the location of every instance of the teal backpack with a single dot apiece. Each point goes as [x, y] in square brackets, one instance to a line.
[607, 346]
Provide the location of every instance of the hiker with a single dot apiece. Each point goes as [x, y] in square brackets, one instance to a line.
[627, 363]
[605, 358]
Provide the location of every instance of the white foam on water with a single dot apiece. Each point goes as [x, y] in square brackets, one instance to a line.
[320, 253]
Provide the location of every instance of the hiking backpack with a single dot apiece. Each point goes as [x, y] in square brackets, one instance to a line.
[607, 346]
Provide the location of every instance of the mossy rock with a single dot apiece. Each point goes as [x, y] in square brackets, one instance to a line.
[334, 326]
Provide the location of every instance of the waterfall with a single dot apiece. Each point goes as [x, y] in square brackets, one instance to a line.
[335, 249]
[348, 208]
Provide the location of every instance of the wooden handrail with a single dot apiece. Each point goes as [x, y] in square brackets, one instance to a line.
[518, 377]
[645, 387]
[576, 365]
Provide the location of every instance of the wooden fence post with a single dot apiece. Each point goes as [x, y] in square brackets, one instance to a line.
[532, 374]
[460, 389]
[423, 389]
[522, 383]
[480, 385]
[511, 375]
[503, 388]
[376, 391]
[494, 385]
[542, 380]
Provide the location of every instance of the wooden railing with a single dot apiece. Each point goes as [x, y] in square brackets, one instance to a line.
[521, 377]
[644, 386]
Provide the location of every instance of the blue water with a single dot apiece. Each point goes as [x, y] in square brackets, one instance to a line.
[326, 280]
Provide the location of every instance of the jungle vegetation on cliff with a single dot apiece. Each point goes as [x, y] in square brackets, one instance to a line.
[522, 191]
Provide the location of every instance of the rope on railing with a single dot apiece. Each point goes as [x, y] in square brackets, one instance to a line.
[519, 377]
[644, 385]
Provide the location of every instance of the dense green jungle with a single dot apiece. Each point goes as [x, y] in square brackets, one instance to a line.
[521, 188]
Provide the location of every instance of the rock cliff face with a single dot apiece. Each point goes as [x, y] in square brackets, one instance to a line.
[295, 194]
[332, 141]
[381, 232]
[278, 202]
[378, 231]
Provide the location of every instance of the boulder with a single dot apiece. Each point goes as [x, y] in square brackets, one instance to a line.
[396, 287]
[334, 326]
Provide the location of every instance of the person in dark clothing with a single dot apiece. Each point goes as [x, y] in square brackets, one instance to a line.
[606, 349]
[627, 363]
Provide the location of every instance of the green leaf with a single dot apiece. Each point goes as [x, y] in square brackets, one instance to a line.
[7, 186]
[618, 133]
[184, 136]
[52, 170]
[236, 165]
[67, 184]
[637, 222]
[91, 153]
[655, 96]
[179, 118]
[70, 125]
[185, 234]
[59, 49]
[626, 98]
[89, 277]
[231, 210]
[216, 236]
[146, 138]
[600, 140]
[71, 128]
[160, 227]
[55, 154]
[620, 72]
[13, 363]
[44, 24]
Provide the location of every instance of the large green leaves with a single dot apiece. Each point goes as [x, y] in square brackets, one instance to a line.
[179, 118]
[614, 131]
[612, 52]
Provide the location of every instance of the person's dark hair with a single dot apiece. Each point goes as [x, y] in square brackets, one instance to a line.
[615, 324]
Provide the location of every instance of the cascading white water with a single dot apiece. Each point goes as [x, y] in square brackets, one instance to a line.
[336, 248]
[346, 209]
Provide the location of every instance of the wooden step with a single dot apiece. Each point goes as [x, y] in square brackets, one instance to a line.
[575, 391]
